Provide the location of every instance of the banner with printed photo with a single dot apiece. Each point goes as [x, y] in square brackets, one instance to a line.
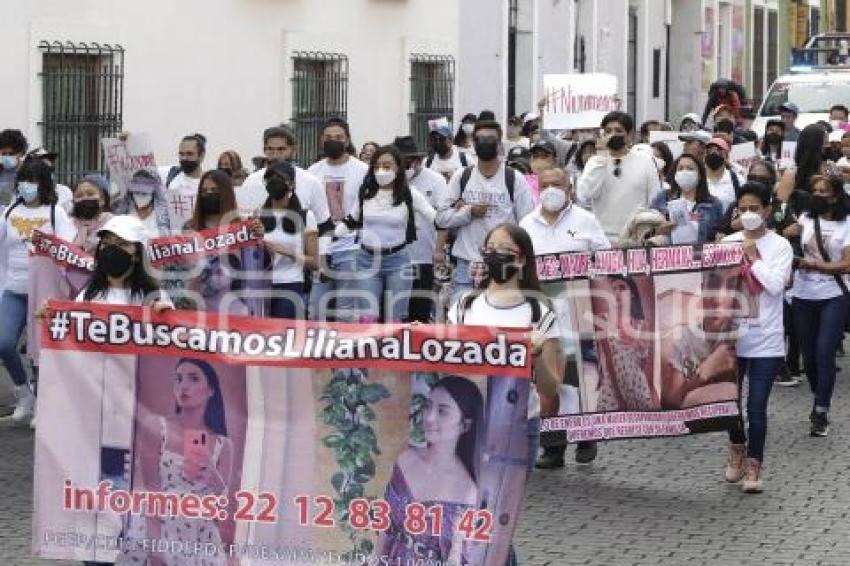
[212, 440]
[641, 374]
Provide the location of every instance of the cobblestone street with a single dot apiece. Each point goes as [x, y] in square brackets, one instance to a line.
[641, 502]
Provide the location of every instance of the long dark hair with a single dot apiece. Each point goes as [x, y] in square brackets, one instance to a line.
[141, 284]
[471, 404]
[578, 159]
[636, 305]
[293, 204]
[34, 170]
[841, 208]
[808, 156]
[702, 194]
[401, 189]
[528, 280]
[214, 418]
[224, 184]
[666, 156]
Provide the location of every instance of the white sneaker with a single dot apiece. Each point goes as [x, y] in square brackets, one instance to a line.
[25, 406]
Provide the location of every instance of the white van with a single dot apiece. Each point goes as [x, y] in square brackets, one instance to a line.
[813, 92]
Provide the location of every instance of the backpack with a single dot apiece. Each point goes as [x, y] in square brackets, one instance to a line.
[52, 213]
[510, 181]
[736, 183]
[461, 155]
[537, 318]
[173, 172]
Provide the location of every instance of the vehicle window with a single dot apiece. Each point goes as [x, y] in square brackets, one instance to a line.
[810, 97]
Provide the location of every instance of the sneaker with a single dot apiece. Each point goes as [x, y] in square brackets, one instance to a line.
[585, 452]
[32, 420]
[735, 464]
[25, 406]
[552, 457]
[752, 477]
[820, 424]
[787, 379]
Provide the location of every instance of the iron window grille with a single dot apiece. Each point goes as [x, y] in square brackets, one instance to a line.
[83, 97]
[432, 79]
[319, 92]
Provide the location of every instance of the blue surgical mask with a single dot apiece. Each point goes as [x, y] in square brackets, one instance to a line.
[28, 191]
[8, 162]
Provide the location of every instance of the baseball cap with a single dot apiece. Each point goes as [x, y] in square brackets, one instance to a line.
[441, 126]
[543, 145]
[126, 227]
[530, 116]
[698, 135]
[518, 152]
[721, 143]
[789, 107]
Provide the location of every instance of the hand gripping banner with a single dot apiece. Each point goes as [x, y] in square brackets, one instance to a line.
[189, 438]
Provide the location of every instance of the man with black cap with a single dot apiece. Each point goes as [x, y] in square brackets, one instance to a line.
[543, 156]
[428, 250]
[789, 111]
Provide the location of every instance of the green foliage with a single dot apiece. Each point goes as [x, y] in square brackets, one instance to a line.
[347, 399]
[418, 403]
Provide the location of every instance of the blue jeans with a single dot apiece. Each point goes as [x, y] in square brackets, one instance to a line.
[392, 273]
[461, 278]
[13, 314]
[820, 330]
[287, 301]
[333, 298]
[761, 372]
[533, 446]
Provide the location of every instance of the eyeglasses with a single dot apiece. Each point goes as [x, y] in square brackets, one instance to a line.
[617, 169]
[502, 249]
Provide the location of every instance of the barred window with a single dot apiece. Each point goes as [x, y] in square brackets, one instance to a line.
[319, 92]
[432, 79]
[82, 99]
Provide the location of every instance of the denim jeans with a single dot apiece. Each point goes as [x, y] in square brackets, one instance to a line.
[13, 314]
[335, 295]
[533, 446]
[461, 279]
[378, 273]
[287, 301]
[820, 330]
[760, 372]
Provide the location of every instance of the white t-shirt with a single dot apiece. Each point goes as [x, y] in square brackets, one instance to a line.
[285, 269]
[341, 186]
[65, 197]
[385, 223]
[115, 296]
[492, 191]
[180, 196]
[16, 237]
[448, 166]
[151, 227]
[813, 285]
[252, 194]
[482, 313]
[575, 230]
[764, 336]
[723, 190]
[433, 187]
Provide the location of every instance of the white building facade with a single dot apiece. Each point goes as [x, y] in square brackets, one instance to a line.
[75, 71]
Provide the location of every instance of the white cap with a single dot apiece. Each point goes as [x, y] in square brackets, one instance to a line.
[530, 116]
[836, 135]
[126, 227]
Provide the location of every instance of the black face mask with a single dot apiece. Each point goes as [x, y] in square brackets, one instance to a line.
[487, 149]
[773, 138]
[440, 147]
[333, 149]
[832, 154]
[188, 167]
[819, 205]
[210, 204]
[616, 143]
[500, 266]
[226, 170]
[277, 188]
[714, 161]
[86, 209]
[114, 261]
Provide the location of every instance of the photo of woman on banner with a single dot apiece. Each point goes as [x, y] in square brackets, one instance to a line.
[699, 363]
[452, 423]
[187, 450]
[624, 343]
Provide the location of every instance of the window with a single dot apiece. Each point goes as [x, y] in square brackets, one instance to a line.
[82, 98]
[758, 53]
[432, 80]
[772, 46]
[319, 92]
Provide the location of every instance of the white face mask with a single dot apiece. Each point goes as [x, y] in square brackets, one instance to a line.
[751, 220]
[142, 200]
[468, 128]
[384, 177]
[8, 162]
[553, 199]
[687, 180]
[28, 191]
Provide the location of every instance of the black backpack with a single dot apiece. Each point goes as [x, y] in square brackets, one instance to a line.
[510, 181]
[173, 172]
[537, 318]
[461, 154]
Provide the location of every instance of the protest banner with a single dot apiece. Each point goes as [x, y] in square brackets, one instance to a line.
[671, 139]
[743, 154]
[213, 241]
[232, 440]
[641, 374]
[124, 157]
[576, 101]
[786, 160]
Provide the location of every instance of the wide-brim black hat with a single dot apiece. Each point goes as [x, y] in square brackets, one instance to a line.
[406, 146]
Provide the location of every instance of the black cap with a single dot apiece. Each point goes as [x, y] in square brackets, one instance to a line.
[283, 168]
[406, 146]
[546, 146]
[518, 152]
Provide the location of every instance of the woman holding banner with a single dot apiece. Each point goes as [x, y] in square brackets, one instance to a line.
[453, 418]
